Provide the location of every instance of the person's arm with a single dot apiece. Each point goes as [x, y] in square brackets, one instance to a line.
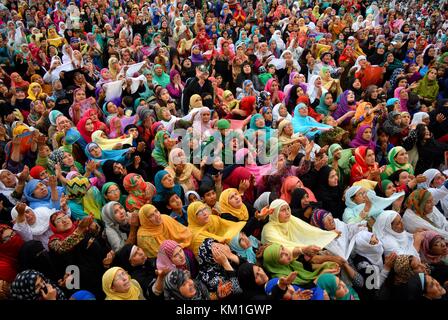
[62, 246]
[418, 239]
[15, 155]
[20, 225]
[22, 178]
[135, 223]
[53, 182]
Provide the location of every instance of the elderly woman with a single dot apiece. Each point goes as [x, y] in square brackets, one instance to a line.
[421, 213]
[118, 285]
[155, 228]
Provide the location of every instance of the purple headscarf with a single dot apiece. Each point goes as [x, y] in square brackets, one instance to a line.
[343, 106]
[359, 141]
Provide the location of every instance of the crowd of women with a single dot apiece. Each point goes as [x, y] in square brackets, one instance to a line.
[223, 150]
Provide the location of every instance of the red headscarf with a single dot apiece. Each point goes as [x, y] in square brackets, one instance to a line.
[234, 179]
[288, 186]
[81, 126]
[311, 112]
[360, 168]
[9, 252]
[248, 104]
[60, 235]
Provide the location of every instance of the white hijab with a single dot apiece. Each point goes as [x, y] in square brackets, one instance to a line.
[343, 245]
[374, 253]
[400, 243]
[8, 191]
[42, 223]
[418, 118]
[437, 222]
[312, 89]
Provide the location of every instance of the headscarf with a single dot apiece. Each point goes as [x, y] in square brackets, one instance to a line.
[427, 88]
[33, 201]
[393, 166]
[83, 198]
[343, 106]
[389, 125]
[217, 228]
[248, 253]
[136, 187]
[360, 141]
[175, 279]
[328, 283]
[161, 190]
[417, 201]
[116, 155]
[242, 214]
[360, 158]
[109, 144]
[400, 243]
[6, 191]
[42, 215]
[288, 186]
[362, 113]
[134, 292]
[304, 125]
[234, 179]
[425, 249]
[293, 233]
[165, 255]
[159, 152]
[418, 117]
[9, 252]
[112, 226]
[271, 256]
[24, 286]
[150, 236]
[374, 253]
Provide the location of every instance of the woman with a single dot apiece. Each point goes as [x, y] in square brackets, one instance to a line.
[172, 256]
[162, 146]
[120, 228]
[111, 192]
[164, 184]
[430, 151]
[155, 228]
[234, 179]
[139, 191]
[38, 194]
[336, 288]
[398, 160]
[290, 231]
[330, 191]
[101, 139]
[389, 229]
[232, 206]
[365, 166]
[363, 137]
[179, 285]
[82, 198]
[300, 204]
[289, 185]
[280, 262]
[421, 213]
[118, 285]
[428, 88]
[434, 252]
[33, 285]
[205, 225]
[10, 245]
[304, 124]
[364, 204]
[346, 104]
[325, 104]
[94, 152]
[331, 85]
[184, 173]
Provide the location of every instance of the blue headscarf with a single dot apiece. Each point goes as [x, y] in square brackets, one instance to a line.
[161, 190]
[248, 253]
[318, 293]
[116, 155]
[250, 133]
[305, 124]
[83, 295]
[42, 202]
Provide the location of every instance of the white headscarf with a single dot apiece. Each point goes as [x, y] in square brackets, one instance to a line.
[312, 89]
[8, 191]
[42, 223]
[418, 118]
[343, 245]
[400, 243]
[277, 37]
[276, 113]
[374, 253]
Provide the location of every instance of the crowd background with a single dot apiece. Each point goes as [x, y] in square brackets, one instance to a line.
[223, 150]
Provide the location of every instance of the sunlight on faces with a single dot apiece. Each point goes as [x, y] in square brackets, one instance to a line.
[359, 196]
[333, 178]
[203, 216]
[285, 256]
[178, 258]
[390, 190]
[167, 181]
[113, 193]
[155, 218]
[41, 191]
[95, 151]
[370, 157]
[397, 224]
[402, 157]
[138, 258]
[367, 134]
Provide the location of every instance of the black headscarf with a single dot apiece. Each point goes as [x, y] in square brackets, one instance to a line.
[24, 286]
[296, 204]
[246, 279]
[330, 197]
[108, 170]
[175, 279]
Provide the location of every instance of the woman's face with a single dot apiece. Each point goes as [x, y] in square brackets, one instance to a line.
[282, 111]
[8, 179]
[119, 169]
[397, 224]
[299, 91]
[62, 222]
[285, 256]
[155, 217]
[390, 58]
[404, 95]
[367, 134]
[119, 213]
[274, 86]
[41, 191]
[329, 223]
[167, 181]
[288, 129]
[260, 276]
[203, 216]
[370, 157]
[205, 116]
[89, 125]
[164, 95]
[95, 151]
[373, 240]
[390, 190]
[403, 83]
[122, 282]
[402, 157]
[30, 217]
[284, 214]
[113, 193]
[342, 289]
[296, 79]
[260, 123]
[359, 196]
[438, 180]
[188, 289]
[350, 96]
[112, 108]
[318, 82]
[432, 74]
[429, 205]
[68, 159]
[303, 111]
[187, 63]
[433, 288]
[178, 258]
[333, 179]
[235, 200]
[305, 202]
[328, 100]
[138, 258]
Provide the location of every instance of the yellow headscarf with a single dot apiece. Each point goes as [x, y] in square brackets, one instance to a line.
[150, 236]
[295, 232]
[367, 184]
[242, 214]
[134, 292]
[19, 129]
[109, 144]
[361, 112]
[31, 94]
[217, 228]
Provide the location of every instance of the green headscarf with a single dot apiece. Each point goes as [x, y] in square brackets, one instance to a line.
[322, 108]
[426, 88]
[384, 184]
[271, 256]
[328, 283]
[159, 152]
[162, 80]
[106, 187]
[393, 165]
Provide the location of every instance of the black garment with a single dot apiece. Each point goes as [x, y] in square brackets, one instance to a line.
[108, 170]
[33, 255]
[329, 197]
[5, 213]
[193, 87]
[296, 205]
[144, 274]
[23, 104]
[439, 129]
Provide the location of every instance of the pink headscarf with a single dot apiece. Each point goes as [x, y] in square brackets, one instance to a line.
[403, 102]
[425, 252]
[165, 254]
